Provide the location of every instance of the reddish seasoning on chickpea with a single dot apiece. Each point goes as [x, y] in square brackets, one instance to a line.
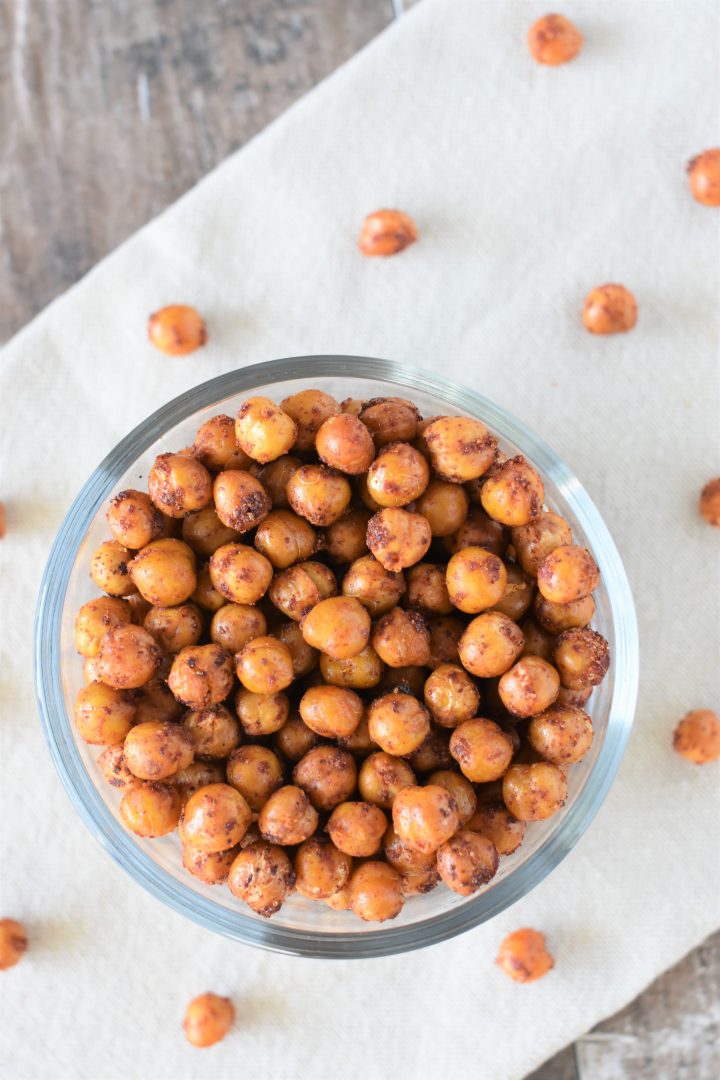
[524, 957]
[177, 329]
[208, 1019]
[386, 232]
[697, 736]
[609, 309]
[554, 40]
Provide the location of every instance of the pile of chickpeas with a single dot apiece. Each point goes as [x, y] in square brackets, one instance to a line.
[342, 650]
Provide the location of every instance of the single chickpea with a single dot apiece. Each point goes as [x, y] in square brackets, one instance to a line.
[398, 538]
[288, 817]
[340, 901]
[206, 595]
[451, 695]
[233, 625]
[518, 595]
[538, 642]
[582, 658]
[241, 502]
[386, 232]
[139, 608]
[462, 791]
[210, 867]
[419, 882]
[710, 501]
[376, 892]
[338, 626]
[345, 443]
[476, 579]
[201, 675]
[424, 817]
[128, 657]
[445, 634]
[561, 735]
[321, 870]
[360, 672]
[261, 713]
[164, 572]
[177, 329]
[13, 943]
[90, 670]
[445, 505]
[331, 711]
[208, 1019]
[196, 776]
[398, 723]
[401, 639]
[427, 590]
[154, 701]
[262, 876]
[514, 494]
[109, 569]
[478, 531]
[461, 448]
[359, 743]
[133, 520]
[327, 775]
[568, 573]
[539, 538]
[214, 731]
[320, 494]
[239, 573]
[376, 588]
[398, 475]
[274, 478]
[609, 309]
[524, 957]
[529, 687]
[704, 174]
[114, 768]
[554, 618]
[697, 736]
[357, 828]
[215, 818]
[390, 419]
[263, 431]
[495, 822]
[295, 738]
[304, 658]
[380, 778]
[434, 753]
[284, 539]
[155, 751]
[534, 792]
[554, 40]
[490, 644]
[365, 497]
[418, 871]
[151, 809]
[179, 484]
[482, 750]
[215, 446]
[103, 715]
[295, 591]
[94, 618]
[264, 666]
[256, 773]
[578, 698]
[467, 861]
[174, 628]
[344, 540]
[309, 409]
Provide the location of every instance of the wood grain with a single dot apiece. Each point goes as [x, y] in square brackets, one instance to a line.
[109, 111]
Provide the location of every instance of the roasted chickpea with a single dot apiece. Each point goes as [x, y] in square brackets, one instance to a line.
[201, 675]
[133, 520]
[490, 645]
[309, 409]
[90, 670]
[697, 737]
[214, 818]
[95, 618]
[609, 309]
[555, 618]
[327, 775]
[529, 687]
[562, 734]
[398, 723]
[177, 329]
[425, 817]
[214, 731]
[538, 539]
[376, 588]
[153, 701]
[390, 420]
[445, 505]
[357, 828]
[155, 751]
[345, 540]
[538, 642]
[263, 431]
[360, 672]
[331, 711]
[338, 626]
[109, 569]
[128, 657]
[398, 475]
[461, 790]
[261, 713]
[476, 579]
[478, 531]
[256, 772]
[210, 867]
[208, 1019]
[241, 502]
[265, 666]
[401, 639]
[381, 777]
[499, 826]
[262, 876]
[274, 478]
[151, 809]
[114, 768]
[366, 498]
[398, 538]
[427, 590]
[482, 749]
[179, 484]
[514, 494]
[304, 659]
[518, 594]
[582, 658]
[233, 625]
[294, 592]
[206, 595]
[321, 869]
[239, 573]
[534, 792]
[164, 572]
[704, 174]
[103, 715]
[318, 493]
[578, 698]
[568, 573]
[13, 943]
[344, 443]
[451, 695]
[434, 753]
[467, 861]
[417, 869]
[352, 405]
[710, 502]
[461, 448]
[215, 445]
[445, 634]
[386, 232]
[409, 680]
[554, 40]
[376, 892]
[174, 628]
[523, 956]
[196, 776]
[295, 738]
[359, 743]
[340, 901]
[284, 538]
[288, 817]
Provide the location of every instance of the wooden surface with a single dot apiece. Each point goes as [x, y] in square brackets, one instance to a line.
[109, 110]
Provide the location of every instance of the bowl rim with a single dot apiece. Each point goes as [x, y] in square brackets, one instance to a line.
[120, 845]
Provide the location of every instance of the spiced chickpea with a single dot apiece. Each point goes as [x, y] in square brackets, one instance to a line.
[114, 768]
[445, 634]
[321, 869]
[445, 505]
[578, 698]
[133, 519]
[90, 670]
[13, 943]
[467, 861]
[155, 751]
[294, 592]
[174, 628]
[204, 532]
[263, 431]
[109, 569]
[331, 711]
[398, 475]
[340, 901]
[529, 687]
[295, 738]
[241, 502]
[401, 639]
[390, 420]
[345, 539]
[710, 501]
[494, 821]
[398, 538]
[409, 680]
[207, 1020]
[151, 809]
[461, 790]
[274, 478]
[304, 658]
[103, 715]
[376, 588]
[534, 792]
[239, 573]
[264, 666]
[201, 675]
[214, 731]
[309, 409]
[139, 608]
[179, 484]
[554, 40]
[233, 625]
[262, 876]
[154, 701]
[697, 737]
[380, 778]
[210, 867]
[582, 658]
[418, 870]
[288, 817]
[568, 573]
[562, 734]
[206, 595]
[215, 445]
[345, 443]
[451, 695]
[518, 595]
[609, 309]
[538, 539]
[434, 752]
[476, 579]
[554, 618]
[261, 713]
[538, 642]
[214, 818]
[284, 538]
[357, 828]
[327, 775]
[320, 494]
[425, 817]
[164, 572]
[482, 749]
[338, 626]
[376, 892]
[514, 494]
[490, 645]
[366, 498]
[398, 723]
[478, 530]
[386, 232]
[177, 329]
[256, 772]
[359, 743]
[461, 448]
[128, 657]
[704, 174]
[524, 957]
[427, 591]
[360, 672]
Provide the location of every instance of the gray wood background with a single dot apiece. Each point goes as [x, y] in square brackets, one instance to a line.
[111, 109]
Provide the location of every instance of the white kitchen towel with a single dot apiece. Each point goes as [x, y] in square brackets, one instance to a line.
[529, 186]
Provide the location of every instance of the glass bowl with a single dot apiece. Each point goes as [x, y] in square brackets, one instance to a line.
[303, 927]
